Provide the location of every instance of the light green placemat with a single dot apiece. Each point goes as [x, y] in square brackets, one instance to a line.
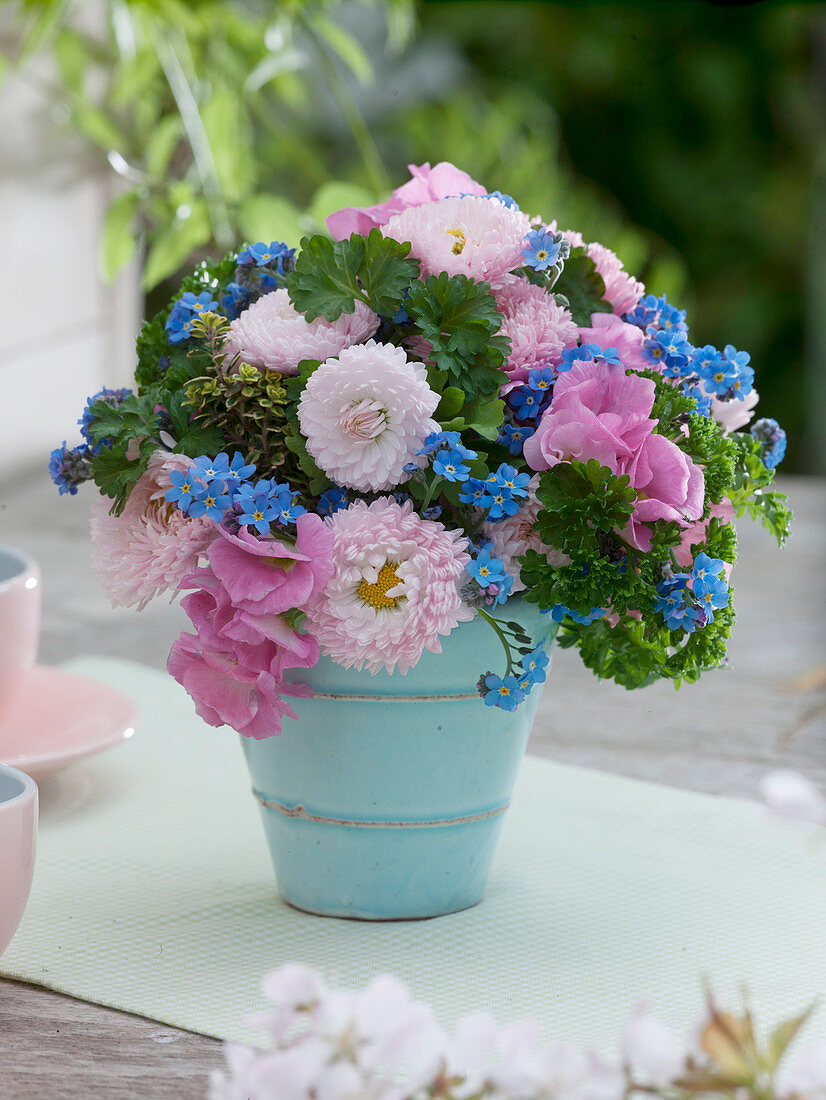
[154, 893]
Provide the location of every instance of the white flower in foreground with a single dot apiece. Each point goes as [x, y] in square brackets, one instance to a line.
[471, 236]
[803, 1074]
[650, 1052]
[394, 591]
[273, 335]
[365, 414]
[790, 794]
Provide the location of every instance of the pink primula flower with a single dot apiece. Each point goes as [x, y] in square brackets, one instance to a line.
[601, 412]
[426, 185]
[265, 576]
[235, 685]
[598, 412]
[235, 665]
[669, 486]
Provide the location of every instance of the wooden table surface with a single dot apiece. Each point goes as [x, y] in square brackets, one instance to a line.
[767, 710]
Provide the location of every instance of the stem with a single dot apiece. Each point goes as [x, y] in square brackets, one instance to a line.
[437, 480]
[353, 116]
[197, 136]
[501, 634]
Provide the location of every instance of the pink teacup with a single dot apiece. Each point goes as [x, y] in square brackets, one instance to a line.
[18, 834]
[19, 622]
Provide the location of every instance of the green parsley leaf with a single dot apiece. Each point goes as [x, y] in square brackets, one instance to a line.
[331, 276]
[460, 319]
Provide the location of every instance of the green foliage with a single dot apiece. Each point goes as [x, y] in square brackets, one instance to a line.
[636, 655]
[460, 320]
[204, 108]
[582, 287]
[712, 450]
[582, 503]
[751, 493]
[331, 276]
[247, 411]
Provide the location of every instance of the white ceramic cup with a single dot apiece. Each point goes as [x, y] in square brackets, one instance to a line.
[19, 622]
[18, 838]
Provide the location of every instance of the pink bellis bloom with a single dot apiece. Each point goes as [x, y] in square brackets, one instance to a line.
[537, 327]
[366, 414]
[470, 236]
[147, 549]
[395, 588]
[274, 336]
[425, 185]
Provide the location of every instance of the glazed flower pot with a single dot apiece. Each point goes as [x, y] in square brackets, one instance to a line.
[386, 799]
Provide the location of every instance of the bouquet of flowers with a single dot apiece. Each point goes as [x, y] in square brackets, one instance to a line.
[353, 448]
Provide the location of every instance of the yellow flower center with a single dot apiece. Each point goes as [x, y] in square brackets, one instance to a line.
[376, 594]
[459, 243]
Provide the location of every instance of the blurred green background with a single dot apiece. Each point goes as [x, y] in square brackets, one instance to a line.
[687, 136]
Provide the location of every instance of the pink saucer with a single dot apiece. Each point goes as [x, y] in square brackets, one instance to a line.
[59, 718]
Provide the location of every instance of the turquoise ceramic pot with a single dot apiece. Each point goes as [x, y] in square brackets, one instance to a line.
[386, 799]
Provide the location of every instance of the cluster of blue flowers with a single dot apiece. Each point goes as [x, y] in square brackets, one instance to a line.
[687, 609]
[513, 437]
[500, 492]
[70, 467]
[704, 372]
[559, 611]
[213, 487]
[490, 575]
[332, 501]
[506, 200]
[529, 401]
[657, 313]
[260, 268]
[768, 432]
[507, 692]
[588, 353]
[187, 308]
[545, 249]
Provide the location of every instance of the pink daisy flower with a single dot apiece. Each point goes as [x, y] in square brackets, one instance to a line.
[151, 545]
[394, 591]
[470, 236]
[366, 414]
[538, 328]
[273, 335]
[515, 534]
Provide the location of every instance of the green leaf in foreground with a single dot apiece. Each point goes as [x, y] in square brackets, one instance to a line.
[582, 501]
[331, 276]
[460, 320]
[582, 287]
